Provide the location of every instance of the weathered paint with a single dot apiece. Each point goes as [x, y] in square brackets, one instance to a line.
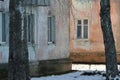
[92, 50]
[44, 51]
[41, 50]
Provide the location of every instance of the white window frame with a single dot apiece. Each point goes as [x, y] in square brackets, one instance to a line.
[51, 30]
[82, 29]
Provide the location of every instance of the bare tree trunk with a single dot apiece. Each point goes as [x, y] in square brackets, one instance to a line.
[18, 51]
[110, 51]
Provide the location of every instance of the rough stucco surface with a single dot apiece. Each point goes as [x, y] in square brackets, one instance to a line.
[54, 58]
[92, 50]
[41, 50]
[60, 9]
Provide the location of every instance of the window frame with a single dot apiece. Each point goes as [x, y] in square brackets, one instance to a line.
[31, 27]
[4, 23]
[51, 37]
[82, 29]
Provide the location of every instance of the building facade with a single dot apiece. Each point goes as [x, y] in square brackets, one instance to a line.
[47, 34]
[86, 38]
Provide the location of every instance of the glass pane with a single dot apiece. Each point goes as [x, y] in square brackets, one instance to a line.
[53, 29]
[85, 32]
[79, 21]
[85, 22]
[49, 29]
[32, 28]
[28, 25]
[79, 32]
[3, 28]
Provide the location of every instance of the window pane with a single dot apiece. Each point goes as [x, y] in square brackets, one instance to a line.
[32, 28]
[49, 30]
[53, 29]
[79, 32]
[85, 32]
[29, 24]
[79, 21]
[3, 28]
[43, 2]
[85, 22]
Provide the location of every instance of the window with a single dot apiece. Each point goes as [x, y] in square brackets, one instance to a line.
[38, 2]
[30, 28]
[43, 2]
[51, 29]
[82, 29]
[2, 28]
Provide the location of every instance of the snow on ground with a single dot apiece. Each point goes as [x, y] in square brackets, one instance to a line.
[77, 75]
[98, 67]
[71, 76]
[82, 68]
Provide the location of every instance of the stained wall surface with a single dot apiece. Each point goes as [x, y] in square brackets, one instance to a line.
[91, 50]
[41, 49]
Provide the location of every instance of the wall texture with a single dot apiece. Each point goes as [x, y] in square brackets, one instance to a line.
[41, 51]
[92, 49]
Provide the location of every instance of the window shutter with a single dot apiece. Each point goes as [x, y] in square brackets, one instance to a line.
[3, 28]
[53, 29]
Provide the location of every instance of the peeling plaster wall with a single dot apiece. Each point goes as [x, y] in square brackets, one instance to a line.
[40, 50]
[92, 50]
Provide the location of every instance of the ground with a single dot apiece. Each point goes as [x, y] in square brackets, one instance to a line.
[83, 72]
[72, 76]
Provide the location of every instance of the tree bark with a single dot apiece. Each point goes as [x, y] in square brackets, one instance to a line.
[18, 51]
[110, 50]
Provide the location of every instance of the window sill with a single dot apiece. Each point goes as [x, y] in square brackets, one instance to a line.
[51, 43]
[82, 40]
[2, 43]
